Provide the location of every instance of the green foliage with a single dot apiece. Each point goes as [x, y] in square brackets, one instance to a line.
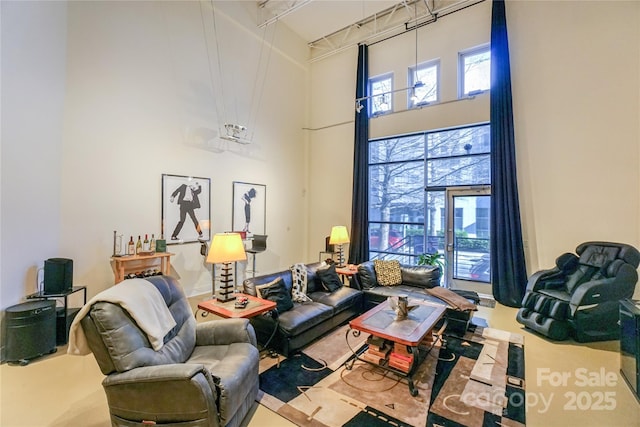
[435, 259]
[473, 245]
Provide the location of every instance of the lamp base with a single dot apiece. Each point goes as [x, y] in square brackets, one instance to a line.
[341, 263]
[225, 293]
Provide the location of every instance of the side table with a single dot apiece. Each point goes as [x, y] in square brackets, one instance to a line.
[255, 307]
[348, 272]
[64, 314]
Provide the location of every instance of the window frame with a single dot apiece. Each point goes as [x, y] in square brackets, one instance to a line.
[416, 220]
[411, 75]
[462, 55]
[372, 96]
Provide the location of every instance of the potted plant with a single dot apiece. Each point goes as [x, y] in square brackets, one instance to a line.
[435, 259]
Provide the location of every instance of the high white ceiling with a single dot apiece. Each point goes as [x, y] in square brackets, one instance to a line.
[332, 25]
[314, 19]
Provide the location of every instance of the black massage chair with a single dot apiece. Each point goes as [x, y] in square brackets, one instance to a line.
[580, 297]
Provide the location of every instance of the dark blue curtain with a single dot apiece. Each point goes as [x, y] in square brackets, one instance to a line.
[359, 246]
[508, 269]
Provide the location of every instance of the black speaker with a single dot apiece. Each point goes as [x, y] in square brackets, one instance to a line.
[329, 248]
[58, 275]
[31, 330]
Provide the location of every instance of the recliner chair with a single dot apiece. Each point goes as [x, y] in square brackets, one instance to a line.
[580, 296]
[205, 374]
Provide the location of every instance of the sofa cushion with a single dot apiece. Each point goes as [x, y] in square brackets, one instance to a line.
[339, 300]
[278, 293]
[420, 276]
[388, 272]
[329, 278]
[314, 283]
[367, 275]
[381, 293]
[303, 317]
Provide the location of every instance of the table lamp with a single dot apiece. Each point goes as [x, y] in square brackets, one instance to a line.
[339, 236]
[225, 249]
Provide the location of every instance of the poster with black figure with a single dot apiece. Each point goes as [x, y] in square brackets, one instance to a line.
[249, 207]
[186, 208]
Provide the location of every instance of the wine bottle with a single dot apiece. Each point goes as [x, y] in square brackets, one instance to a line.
[152, 243]
[145, 243]
[138, 245]
[131, 247]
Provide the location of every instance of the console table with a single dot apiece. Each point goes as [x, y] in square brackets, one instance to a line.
[126, 264]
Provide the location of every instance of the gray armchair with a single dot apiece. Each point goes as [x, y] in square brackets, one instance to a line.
[581, 295]
[205, 374]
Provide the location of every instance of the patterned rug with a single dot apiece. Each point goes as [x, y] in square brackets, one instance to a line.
[476, 380]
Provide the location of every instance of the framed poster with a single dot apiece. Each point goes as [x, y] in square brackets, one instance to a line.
[249, 207]
[186, 207]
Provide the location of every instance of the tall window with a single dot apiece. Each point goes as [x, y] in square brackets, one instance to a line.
[474, 70]
[380, 91]
[424, 79]
[408, 177]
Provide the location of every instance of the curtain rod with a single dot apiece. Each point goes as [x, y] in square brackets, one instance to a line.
[420, 107]
[330, 126]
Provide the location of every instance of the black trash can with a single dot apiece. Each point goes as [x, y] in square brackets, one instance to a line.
[31, 330]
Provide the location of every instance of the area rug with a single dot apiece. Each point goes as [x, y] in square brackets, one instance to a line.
[475, 380]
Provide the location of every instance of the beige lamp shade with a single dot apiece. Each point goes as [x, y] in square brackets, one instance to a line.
[226, 247]
[339, 235]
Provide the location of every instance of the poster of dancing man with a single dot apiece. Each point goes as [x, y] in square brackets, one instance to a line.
[185, 208]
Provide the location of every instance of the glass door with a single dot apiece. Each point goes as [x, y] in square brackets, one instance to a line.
[467, 238]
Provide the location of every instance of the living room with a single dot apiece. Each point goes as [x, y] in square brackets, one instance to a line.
[100, 99]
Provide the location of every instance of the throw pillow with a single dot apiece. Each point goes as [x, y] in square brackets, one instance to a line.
[388, 272]
[259, 288]
[277, 292]
[329, 278]
[299, 280]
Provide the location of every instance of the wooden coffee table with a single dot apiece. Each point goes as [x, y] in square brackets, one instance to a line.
[411, 332]
[255, 307]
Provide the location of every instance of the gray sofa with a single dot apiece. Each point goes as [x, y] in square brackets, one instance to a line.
[204, 374]
[293, 329]
[422, 283]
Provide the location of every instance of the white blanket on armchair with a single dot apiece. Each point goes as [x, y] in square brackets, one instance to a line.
[144, 303]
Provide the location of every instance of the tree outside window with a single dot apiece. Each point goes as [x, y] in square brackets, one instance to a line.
[424, 80]
[407, 179]
[475, 71]
[380, 92]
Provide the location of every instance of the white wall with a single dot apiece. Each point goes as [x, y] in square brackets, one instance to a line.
[33, 87]
[577, 113]
[575, 69]
[138, 100]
